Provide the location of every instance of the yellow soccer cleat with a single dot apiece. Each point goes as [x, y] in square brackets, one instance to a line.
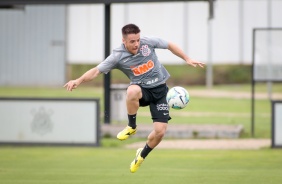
[125, 133]
[136, 163]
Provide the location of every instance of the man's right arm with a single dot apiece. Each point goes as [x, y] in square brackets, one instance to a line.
[87, 76]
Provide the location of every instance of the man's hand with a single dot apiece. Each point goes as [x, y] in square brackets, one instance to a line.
[195, 63]
[72, 84]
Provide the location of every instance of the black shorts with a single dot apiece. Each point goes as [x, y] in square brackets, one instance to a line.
[156, 99]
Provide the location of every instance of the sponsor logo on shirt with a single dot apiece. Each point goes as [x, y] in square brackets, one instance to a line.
[152, 81]
[144, 68]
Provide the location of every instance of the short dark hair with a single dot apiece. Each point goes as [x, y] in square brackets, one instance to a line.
[130, 29]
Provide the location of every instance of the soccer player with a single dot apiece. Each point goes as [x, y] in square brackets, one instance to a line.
[137, 59]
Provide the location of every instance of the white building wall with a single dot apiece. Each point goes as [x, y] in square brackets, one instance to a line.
[85, 33]
[197, 31]
[184, 23]
[32, 46]
[225, 32]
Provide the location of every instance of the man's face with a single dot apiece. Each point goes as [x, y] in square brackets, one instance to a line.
[132, 42]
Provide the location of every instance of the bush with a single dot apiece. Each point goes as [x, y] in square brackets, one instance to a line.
[232, 74]
[180, 74]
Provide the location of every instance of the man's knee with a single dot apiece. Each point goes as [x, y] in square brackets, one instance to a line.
[160, 129]
[133, 92]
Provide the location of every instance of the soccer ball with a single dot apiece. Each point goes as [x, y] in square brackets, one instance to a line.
[177, 97]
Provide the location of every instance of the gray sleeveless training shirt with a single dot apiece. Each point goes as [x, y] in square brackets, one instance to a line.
[143, 68]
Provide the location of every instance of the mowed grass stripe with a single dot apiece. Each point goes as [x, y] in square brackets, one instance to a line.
[111, 165]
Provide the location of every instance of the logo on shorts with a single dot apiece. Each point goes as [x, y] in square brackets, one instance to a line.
[162, 107]
[145, 50]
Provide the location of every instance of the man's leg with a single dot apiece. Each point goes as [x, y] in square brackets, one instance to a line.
[133, 95]
[154, 138]
[160, 114]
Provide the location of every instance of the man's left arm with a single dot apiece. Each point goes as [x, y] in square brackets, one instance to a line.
[179, 52]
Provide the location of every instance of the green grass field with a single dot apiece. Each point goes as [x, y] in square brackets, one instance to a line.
[80, 165]
[110, 162]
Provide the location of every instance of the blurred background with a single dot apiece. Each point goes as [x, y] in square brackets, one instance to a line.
[44, 46]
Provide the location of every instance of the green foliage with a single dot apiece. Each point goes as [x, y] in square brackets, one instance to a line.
[185, 75]
[232, 74]
[181, 74]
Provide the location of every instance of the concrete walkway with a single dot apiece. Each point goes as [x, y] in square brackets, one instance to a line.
[181, 131]
[209, 144]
